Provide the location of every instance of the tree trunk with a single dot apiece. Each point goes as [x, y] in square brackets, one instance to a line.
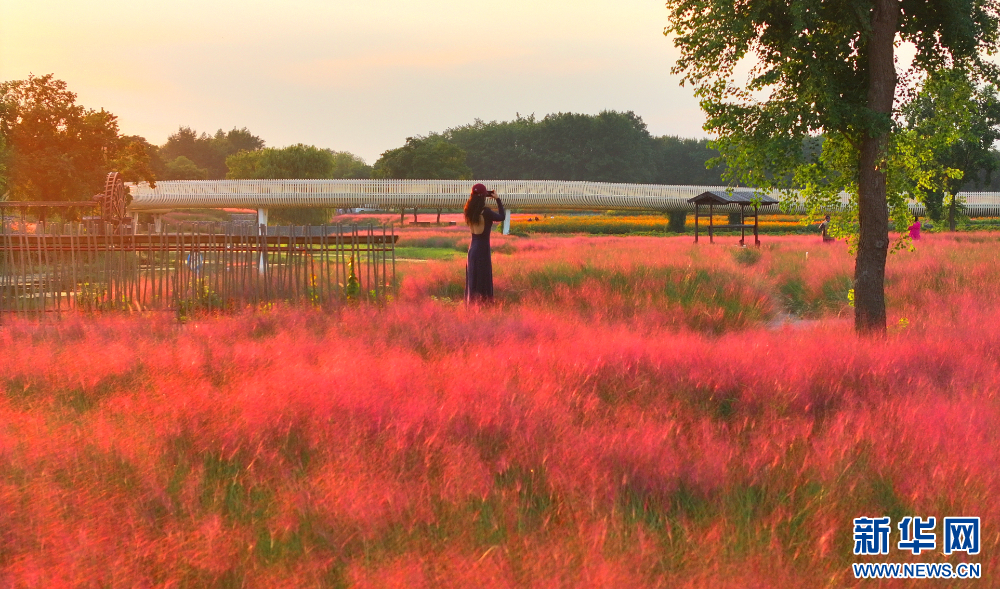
[873, 211]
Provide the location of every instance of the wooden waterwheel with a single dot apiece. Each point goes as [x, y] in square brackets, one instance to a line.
[112, 201]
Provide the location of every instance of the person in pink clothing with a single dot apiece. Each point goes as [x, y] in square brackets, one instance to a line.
[915, 228]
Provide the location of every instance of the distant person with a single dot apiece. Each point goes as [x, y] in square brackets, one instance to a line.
[824, 228]
[915, 228]
[480, 219]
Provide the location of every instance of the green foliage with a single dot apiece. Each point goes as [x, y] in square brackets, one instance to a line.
[497, 150]
[953, 125]
[747, 256]
[294, 161]
[607, 147]
[348, 165]
[685, 162]
[54, 149]
[202, 298]
[136, 160]
[353, 288]
[424, 158]
[181, 168]
[677, 221]
[209, 152]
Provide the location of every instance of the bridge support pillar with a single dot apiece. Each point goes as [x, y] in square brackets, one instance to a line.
[506, 223]
[158, 223]
[262, 231]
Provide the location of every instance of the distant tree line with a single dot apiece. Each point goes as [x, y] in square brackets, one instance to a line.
[607, 147]
[54, 149]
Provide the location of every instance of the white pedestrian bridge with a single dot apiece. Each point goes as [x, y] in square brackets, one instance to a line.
[443, 194]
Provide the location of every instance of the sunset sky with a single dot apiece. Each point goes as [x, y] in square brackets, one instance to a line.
[359, 75]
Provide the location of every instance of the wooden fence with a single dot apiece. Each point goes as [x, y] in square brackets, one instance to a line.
[48, 269]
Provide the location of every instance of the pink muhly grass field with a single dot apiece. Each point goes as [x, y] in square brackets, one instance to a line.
[633, 412]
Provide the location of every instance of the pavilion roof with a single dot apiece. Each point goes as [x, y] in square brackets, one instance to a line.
[723, 197]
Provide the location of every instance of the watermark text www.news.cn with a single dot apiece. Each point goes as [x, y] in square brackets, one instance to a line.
[917, 535]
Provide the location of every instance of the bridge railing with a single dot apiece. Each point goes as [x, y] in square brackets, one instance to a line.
[433, 194]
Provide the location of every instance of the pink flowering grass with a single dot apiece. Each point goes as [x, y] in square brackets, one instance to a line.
[541, 441]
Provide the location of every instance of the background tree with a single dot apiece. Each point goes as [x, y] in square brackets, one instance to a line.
[608, 147]
[294, 161]
[681, 161]
[989, 183]
[4, 154]
[945, 96]
[497, 150]
[207, 152]
[59, 150]
[348, 165]
[238, 140]
[181, 168]
[138, 159]
[429, 158]
[822, 67]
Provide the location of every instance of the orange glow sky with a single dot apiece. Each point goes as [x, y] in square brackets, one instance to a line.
[357, 75]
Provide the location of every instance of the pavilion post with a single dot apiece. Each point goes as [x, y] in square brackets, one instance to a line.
[756, 219]
[697, 209]
[711, 223]
[743, 229]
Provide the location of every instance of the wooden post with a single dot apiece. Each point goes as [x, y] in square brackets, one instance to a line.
[697, 210]
[711, 223]
[756, 218]
[743, 229]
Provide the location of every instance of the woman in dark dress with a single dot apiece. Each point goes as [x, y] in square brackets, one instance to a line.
[480, 218]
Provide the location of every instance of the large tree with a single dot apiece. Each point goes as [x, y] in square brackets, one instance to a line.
[822, 67]
[55, 149]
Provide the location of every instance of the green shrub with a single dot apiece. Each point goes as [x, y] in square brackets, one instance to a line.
[747, 256]
[677, 221]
